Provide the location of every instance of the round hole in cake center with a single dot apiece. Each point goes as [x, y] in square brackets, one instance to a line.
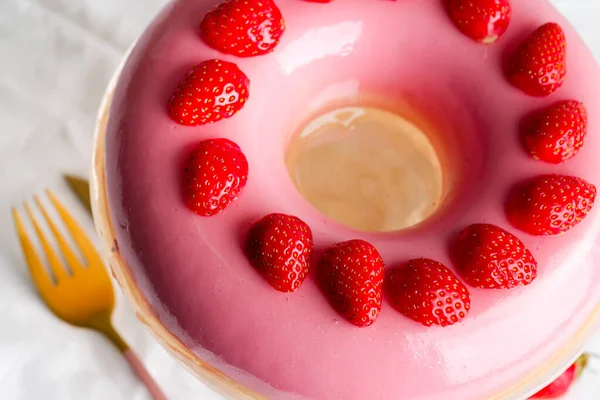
[367, 168]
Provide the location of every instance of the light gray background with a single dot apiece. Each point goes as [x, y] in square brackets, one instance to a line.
[56, 57]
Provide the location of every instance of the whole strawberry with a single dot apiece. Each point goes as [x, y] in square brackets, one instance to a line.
[556, 134]
[244, 28]
[216, 172]
[280, 246]
[561, 385]
[210, 92]
[550, 204]
[428, 292]
[538, 67]
[351, 275]
[484, 21]
[489, 257]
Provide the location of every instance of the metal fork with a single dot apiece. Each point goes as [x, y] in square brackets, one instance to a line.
[81, 295]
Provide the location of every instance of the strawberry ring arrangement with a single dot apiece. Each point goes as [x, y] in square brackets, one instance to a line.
[233, 262]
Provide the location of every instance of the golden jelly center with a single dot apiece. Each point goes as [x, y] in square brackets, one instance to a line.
[367, 168]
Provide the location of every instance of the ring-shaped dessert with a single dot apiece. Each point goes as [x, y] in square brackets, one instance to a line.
[255, 285]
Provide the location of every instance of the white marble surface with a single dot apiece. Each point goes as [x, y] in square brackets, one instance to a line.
[56, 57]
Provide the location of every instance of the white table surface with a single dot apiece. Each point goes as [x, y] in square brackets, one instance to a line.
[56, 57]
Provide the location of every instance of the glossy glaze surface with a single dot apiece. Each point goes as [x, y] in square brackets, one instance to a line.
[192, 269]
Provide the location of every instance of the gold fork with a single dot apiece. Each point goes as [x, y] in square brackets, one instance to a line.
[82, 295]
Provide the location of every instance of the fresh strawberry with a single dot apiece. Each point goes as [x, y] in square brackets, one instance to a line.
[428, 292]
[280, 246]
[210, 92]
[351, 275]
[244, 28]
[216, 172]
[561, 385]
[550, 204]
[482, 20]
[556, 134]
[491, 258]
[538, 67]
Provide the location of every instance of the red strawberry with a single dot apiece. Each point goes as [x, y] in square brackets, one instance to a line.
[550, 204]
[561, 385]
[210, 92]
[244, 28]
[280, 246]
[351, 275]
[556, 134]
[216, 172]
[538, 67]
[491, 258]
[428, 292]
[481, 20]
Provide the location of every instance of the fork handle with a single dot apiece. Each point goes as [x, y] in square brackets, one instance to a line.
[143, 375]
[103, 324]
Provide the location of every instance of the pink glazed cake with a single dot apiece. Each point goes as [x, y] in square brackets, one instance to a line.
[196, 204]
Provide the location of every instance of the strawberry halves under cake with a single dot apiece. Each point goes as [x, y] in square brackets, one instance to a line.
[487, 297]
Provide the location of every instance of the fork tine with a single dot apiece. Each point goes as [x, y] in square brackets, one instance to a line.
[78, 234]
[38, 273]
[56, 266]
[72, 260]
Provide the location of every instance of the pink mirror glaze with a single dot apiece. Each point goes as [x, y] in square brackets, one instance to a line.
[286, 346]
